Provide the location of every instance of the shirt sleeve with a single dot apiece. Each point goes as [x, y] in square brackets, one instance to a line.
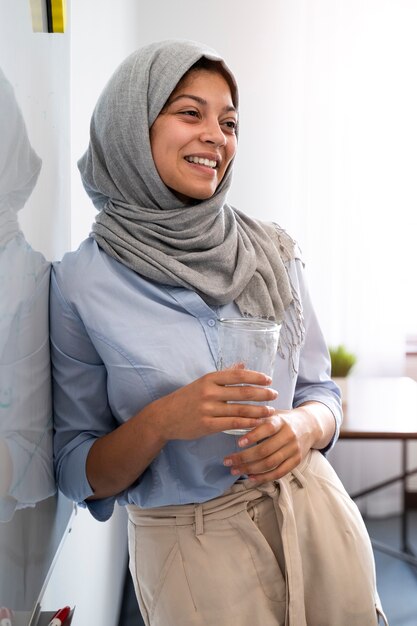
[81, 410]
[313, 381]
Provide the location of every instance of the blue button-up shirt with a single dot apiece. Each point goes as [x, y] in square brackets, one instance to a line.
[120, 341]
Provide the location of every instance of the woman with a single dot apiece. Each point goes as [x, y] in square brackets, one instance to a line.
[221, 531]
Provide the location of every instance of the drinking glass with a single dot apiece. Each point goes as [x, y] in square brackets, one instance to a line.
[250, 344]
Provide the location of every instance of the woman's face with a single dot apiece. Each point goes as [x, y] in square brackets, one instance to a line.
[193, 139]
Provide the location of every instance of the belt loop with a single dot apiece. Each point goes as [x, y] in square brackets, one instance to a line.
[299, 478]
[198, 516]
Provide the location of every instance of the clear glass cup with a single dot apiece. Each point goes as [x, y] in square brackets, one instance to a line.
[250, 344]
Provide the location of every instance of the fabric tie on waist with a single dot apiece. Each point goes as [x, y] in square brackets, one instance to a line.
[280, 492]
[233, 502]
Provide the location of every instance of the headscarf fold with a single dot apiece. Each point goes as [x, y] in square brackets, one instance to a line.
[207, 246]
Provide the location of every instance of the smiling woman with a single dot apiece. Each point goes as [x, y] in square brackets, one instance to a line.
[193, 139]
[221, 531]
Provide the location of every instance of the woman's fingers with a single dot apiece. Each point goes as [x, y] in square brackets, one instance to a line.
[234, 409]
[218, 424]
[237, 376]
[216, 402]
[267, 463]
[274, 425]
[247, 393]
[278, 472]
[272, 458]
[238, 385]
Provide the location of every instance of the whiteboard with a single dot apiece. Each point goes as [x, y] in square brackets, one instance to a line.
[34, 230]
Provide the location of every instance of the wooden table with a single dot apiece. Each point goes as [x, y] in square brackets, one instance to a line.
[385, 409]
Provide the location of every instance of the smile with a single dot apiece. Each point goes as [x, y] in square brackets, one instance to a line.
[201, 161]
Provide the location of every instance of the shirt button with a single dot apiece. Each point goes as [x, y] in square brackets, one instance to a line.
[211, 322]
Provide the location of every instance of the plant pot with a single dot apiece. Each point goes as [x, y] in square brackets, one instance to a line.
[343, 384]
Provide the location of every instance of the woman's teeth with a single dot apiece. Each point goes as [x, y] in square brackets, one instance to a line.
[200, 161]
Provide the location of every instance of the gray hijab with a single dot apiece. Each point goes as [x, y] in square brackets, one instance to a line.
[207, 246]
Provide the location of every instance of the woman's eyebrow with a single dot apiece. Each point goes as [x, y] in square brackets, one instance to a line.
[199, 100]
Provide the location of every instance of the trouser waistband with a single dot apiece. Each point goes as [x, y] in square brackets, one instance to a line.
[235, 500]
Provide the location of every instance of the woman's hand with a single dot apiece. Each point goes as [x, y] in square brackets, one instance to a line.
[211, 404]
[201, 408]
[284, 441]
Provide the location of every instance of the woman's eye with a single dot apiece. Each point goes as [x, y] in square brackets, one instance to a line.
[191, 113]
[231, 124]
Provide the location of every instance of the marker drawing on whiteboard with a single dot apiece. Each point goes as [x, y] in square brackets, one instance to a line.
[60, 617]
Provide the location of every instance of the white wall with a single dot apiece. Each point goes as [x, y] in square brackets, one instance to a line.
[103, 34]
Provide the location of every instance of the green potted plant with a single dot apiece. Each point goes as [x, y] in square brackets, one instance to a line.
[342, 362]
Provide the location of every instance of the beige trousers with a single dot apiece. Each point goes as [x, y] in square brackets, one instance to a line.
[290, 553]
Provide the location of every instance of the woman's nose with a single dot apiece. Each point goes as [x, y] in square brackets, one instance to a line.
[213, 133]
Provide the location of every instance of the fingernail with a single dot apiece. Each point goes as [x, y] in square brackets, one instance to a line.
[235, 472]
[271, 410]
[243, 442]
[227, 462]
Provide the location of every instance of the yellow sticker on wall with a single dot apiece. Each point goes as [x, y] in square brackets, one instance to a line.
[58, 11]
[39, 16]
[48, 16]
